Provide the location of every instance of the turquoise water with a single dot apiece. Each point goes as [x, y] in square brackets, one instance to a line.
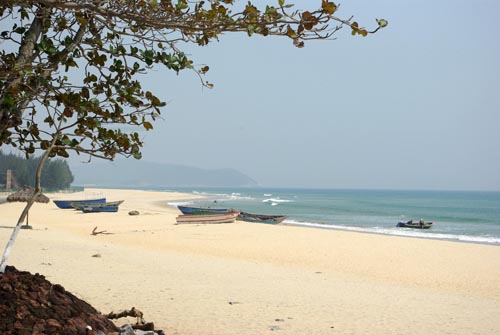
[458, 216]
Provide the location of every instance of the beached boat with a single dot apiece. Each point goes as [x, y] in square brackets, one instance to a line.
[261, 218]
[81, 205]
[410, 224]
[66, 204]
[207, 218]
[99, 208]
[202, 210]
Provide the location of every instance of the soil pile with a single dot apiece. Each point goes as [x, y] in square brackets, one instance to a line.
[30, 304]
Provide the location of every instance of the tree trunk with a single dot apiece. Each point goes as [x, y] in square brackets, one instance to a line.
[10, 116]
[30, 203]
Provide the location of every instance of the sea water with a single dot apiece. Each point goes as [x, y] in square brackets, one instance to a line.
[457, 216]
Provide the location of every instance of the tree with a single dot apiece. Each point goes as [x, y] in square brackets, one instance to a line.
[55, 176]
[72, 81]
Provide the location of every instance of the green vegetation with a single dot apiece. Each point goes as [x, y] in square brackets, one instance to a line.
[56, 174]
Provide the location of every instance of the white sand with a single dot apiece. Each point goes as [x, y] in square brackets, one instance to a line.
[245, 278]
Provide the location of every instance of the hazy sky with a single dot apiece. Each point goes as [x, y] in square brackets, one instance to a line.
[415, 106]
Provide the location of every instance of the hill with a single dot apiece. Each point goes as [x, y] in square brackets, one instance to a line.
[134, 173]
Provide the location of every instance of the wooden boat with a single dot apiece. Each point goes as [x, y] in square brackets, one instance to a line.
[202, 210]
[207, 218]
[261, 218]
[99, 208]
[418, 225]
[81, 205]
[66, 204]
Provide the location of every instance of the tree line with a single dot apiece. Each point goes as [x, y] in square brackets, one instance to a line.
[56, 174]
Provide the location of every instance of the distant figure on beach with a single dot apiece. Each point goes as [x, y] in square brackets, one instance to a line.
[421, 222]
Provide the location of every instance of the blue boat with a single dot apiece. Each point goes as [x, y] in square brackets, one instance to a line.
[203, 210]
[67, 204]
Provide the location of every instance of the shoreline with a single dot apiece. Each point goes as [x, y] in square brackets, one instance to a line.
[361, 231]
[248, 278]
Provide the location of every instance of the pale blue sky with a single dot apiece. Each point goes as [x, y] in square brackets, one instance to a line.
[415, 106]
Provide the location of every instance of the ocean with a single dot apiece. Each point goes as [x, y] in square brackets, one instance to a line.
[458, 216]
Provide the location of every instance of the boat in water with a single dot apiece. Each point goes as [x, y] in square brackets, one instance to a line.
[261, 218]
[67, 204]
[418, 225]
[208, 218]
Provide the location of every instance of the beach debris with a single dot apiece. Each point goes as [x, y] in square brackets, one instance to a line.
[279, 320]
[96, 255]
[95, 232]
[133, 213]
[130, 312]
[234, 302]
[273, 328]
[141, 327]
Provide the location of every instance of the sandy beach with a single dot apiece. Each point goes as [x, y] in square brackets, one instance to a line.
[244, 278]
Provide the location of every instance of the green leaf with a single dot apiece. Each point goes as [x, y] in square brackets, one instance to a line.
[291, 33]
[382, 23]
[20, 30]
[328, 7]
[147, 125]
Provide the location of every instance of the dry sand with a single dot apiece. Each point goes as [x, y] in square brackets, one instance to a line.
[245, 278]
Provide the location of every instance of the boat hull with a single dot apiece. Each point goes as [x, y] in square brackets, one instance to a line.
[261, 218]
[199, 210]
[415, 225]
[207, 218]
[100, 209]
[66, 204]
[82, 205]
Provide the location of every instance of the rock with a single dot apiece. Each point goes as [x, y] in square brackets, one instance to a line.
[143, 332]
[127, 330]
[30, 304]
[133, 213]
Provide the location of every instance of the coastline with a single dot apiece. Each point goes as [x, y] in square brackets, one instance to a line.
[245, 278]
[362, 231]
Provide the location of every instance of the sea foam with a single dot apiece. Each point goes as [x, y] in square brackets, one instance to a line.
[406, 232]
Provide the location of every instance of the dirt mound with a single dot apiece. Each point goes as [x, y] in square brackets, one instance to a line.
[30, 304]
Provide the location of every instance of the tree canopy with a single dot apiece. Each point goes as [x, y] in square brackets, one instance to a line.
[70, 70]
